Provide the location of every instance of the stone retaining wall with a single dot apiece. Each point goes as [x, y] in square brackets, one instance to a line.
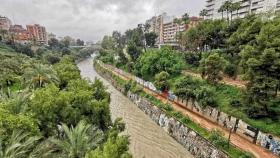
[240, 127]
[189, 139]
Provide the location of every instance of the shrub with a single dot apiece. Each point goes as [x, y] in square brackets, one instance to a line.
[161, 81]
[216, 137]
[235, 103]
[230, 70]
[205, 96]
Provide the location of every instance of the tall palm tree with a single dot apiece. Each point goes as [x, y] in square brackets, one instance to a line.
[221, 10]
[20, 145]
[39, 75]
[186, 18]
[203, 13]
[78, 140]
[227, 7]
[237, 7]
[16, 101]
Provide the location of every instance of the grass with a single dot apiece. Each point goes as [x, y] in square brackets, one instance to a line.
[231, 151]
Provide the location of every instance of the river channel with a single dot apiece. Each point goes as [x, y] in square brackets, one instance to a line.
[147, 139]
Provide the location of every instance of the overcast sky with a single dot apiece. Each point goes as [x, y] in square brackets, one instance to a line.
[91, 19]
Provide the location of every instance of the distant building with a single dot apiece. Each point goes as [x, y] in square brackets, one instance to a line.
[247, 6]
[38, 33]
[156, 26]
[171, 30]
[19, 34]
[5, 23]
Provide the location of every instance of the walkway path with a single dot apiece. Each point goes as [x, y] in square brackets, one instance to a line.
[235, 140]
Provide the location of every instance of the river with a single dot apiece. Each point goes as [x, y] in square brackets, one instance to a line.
[147, 139]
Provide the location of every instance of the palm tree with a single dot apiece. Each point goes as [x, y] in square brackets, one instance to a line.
[20, 145]
[237, 6]
[203, 13]
[227, 7]
[221, 10]
[177, 21]
[186, 18]
[78, 140]
[39, 75]
[17, 101]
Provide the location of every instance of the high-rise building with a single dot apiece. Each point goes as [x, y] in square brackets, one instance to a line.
[247, 6]
[19, 33]
[156, 26]
[171, 30]
[38, 33]
[5, 23]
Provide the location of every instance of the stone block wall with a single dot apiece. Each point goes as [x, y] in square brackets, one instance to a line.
[188, 138]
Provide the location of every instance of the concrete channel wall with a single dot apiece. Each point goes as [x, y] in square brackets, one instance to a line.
[189, 139]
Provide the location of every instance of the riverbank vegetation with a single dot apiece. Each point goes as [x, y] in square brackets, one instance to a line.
[239, 49]
[48, 110]
[214, 137]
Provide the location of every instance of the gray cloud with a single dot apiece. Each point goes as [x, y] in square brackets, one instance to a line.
[91, 19]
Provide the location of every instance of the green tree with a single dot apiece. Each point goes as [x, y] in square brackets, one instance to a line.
[186, 18]
[11, 122]
[133, 50]
[20, 145]
[212, 67]
[108, 42]
[155, 61]
[78, 140]
[161, 81]
[151, 39]
[227, 7]
[203, 13]
[115, 147]
[39, 75]
[185, 88]
[53, 43]
[117, 36]
[66, 71]
[205, 96]
[245, 34]
[80, 42]
[261, 62]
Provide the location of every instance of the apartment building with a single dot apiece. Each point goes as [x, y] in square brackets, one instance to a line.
[5, 23]
[247, 6]
[38, 33]
[156, 26]
[171, 30]
[19, 33]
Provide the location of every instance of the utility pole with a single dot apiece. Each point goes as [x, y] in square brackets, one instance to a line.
[230, 131]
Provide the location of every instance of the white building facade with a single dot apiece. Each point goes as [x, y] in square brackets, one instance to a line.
[247, 6]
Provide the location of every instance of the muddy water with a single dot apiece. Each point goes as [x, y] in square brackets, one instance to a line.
[147, 139]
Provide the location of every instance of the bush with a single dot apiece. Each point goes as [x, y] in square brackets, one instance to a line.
[235, 103]
[216, 137]
[161, 81]
[230, 70]
[155, 61]
[52, 58]
[193, 58]
[205, 96]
